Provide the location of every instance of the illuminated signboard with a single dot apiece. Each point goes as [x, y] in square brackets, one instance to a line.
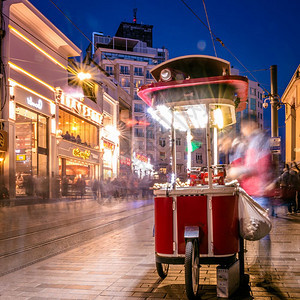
[82, 154]
[38, 104]
[142, 158]
[108, 145]
[21, 157]
[80, 108]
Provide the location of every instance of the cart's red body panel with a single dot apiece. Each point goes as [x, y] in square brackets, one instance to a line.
[225, 224]
[192, 211]
[163, 225]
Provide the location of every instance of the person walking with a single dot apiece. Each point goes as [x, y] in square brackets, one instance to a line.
[95, 188]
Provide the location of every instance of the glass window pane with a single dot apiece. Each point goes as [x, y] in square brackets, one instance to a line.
[42, 132]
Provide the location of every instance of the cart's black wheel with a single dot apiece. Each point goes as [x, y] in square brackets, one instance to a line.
[191, 269]
[162, 270]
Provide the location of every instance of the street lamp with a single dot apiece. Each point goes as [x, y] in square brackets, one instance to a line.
[84, 76]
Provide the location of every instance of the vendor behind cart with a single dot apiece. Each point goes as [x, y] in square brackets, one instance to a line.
[255, 170]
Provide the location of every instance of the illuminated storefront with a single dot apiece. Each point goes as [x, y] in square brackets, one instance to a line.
[31, 114]
[110, 150]
[78, 137]
[142, 165]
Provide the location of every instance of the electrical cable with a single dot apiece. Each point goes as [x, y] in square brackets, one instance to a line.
[211, 36]
[223, 45]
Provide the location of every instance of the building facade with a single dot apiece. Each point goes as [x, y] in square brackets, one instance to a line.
[129, 61]
[291, 99]
[53, 132]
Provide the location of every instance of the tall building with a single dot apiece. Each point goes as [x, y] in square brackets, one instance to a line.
[254, 108]
[128, 61]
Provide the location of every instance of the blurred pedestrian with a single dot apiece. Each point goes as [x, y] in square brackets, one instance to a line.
[95, 188]
[254, 170]
[64, 186]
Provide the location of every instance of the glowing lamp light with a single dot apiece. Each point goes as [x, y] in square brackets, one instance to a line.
[165, 75]
[218, 118]
[84, 76]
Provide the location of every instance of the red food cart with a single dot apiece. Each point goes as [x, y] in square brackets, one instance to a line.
[196, 224]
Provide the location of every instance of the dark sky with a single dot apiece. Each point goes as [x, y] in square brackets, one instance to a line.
[260, 33]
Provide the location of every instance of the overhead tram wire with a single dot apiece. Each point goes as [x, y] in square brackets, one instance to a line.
[212, 40]
[223, 45]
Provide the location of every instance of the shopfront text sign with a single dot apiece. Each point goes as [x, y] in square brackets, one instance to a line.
[108, 145]
[38, 104]
[141, 158]
[81, 109]
[82, 154]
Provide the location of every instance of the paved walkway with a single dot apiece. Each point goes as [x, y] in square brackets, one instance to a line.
[120, 265]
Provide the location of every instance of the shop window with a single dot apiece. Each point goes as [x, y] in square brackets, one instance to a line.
[31, 130]
[78, 130]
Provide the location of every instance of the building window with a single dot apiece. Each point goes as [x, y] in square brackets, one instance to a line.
[148, 75]
[162, 142]
[178, 141]
[199, 158]
[135, 96]
[150, 134]
[252, 103]
[109, 70]
[138, 108]
[124, 82]
[138, 83]
[140, 145]
[138, 132]
[138, 71]
[163, 170]
[162, 155]
[124, 70]
[150, 146]
[252, 91]
[72, 126]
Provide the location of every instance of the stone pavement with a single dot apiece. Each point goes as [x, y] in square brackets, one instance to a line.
[120, 265]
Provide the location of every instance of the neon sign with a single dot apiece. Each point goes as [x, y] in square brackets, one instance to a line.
[108, 145]
[38, 105]
[82, 154]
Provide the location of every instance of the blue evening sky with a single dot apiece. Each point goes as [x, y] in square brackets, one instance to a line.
[260, 33]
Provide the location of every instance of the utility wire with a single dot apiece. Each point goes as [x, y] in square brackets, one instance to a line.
[223, 45]
[211, 36]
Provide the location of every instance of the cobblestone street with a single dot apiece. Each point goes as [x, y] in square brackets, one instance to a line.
[120, 265]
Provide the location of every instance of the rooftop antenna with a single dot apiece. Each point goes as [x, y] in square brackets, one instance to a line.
[134, 15]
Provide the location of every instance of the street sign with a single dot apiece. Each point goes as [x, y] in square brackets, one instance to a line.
[275, 145]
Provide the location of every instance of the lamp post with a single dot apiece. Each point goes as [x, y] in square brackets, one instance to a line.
[274, 101]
